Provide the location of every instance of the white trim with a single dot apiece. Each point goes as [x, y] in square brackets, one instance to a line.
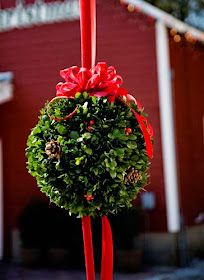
[1, 203]
[23, 16]
[167, 19]
[167, 128]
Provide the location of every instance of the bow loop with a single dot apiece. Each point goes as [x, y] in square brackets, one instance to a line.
[101, 69]
[111, 73]
[93, 82]
[83, 77]
[118, 80]
[70, 74]
[66, 89]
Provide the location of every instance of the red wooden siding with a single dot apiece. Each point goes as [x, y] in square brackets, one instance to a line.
[35, 56]
[187, 64]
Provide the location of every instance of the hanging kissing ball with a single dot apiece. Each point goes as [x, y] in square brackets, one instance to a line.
[90, 150]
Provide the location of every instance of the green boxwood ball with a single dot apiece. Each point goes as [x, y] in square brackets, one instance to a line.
[92, 163]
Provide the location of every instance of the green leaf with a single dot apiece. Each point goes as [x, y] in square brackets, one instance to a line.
[68, 180]
[57, 166]
[36, 130]
[60, 139]
[110, 135]
[116, 133]
[62, 129]
[95, 170]
[105, 126]
[94, 99]
[113, 165]
[89, 151]
[119, 152]
[85, 95]
[74, 134]
[137, 166]
[78, 160]
[111, 199]
[113, 174]
[85, 111]
[120, 176]
[131, 145]
[86, 135]
[107, 163]
[95, 186]
[132, 137]
[77, 95]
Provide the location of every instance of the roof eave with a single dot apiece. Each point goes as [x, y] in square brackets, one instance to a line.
[169, 20]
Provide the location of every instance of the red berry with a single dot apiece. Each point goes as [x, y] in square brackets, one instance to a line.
[89, 128]
[89, 197]
[128, 130]
[91, 122]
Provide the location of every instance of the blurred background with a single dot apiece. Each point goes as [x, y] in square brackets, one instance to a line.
[158, 49]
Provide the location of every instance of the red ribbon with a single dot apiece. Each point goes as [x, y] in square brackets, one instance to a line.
[88, 32]
[88, 248]
[107, 251]
[147, 131]
[74, 79]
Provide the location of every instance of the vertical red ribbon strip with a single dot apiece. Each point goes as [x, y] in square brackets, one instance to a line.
[88, 56]
[88, 53]
[88, 32]
[88, 248]
[107, 251]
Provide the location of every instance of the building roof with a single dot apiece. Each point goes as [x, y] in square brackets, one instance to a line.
[169, 20]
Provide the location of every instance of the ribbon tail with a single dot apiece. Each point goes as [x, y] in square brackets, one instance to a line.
[147, 138]
[88, 248]
[107, 251]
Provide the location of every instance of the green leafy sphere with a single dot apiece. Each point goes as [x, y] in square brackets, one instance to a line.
[93, 163]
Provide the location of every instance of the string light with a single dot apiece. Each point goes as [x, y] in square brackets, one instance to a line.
[173, 31]
[189, 37]
[131, 8]
[177, 38]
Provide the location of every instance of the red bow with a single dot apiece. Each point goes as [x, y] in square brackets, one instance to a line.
[101, 81]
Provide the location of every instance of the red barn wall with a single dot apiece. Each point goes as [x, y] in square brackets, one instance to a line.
[35, 56]
[187, 62]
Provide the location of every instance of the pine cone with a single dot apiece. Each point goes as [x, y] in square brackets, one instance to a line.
[52, 149]
[132, 176]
